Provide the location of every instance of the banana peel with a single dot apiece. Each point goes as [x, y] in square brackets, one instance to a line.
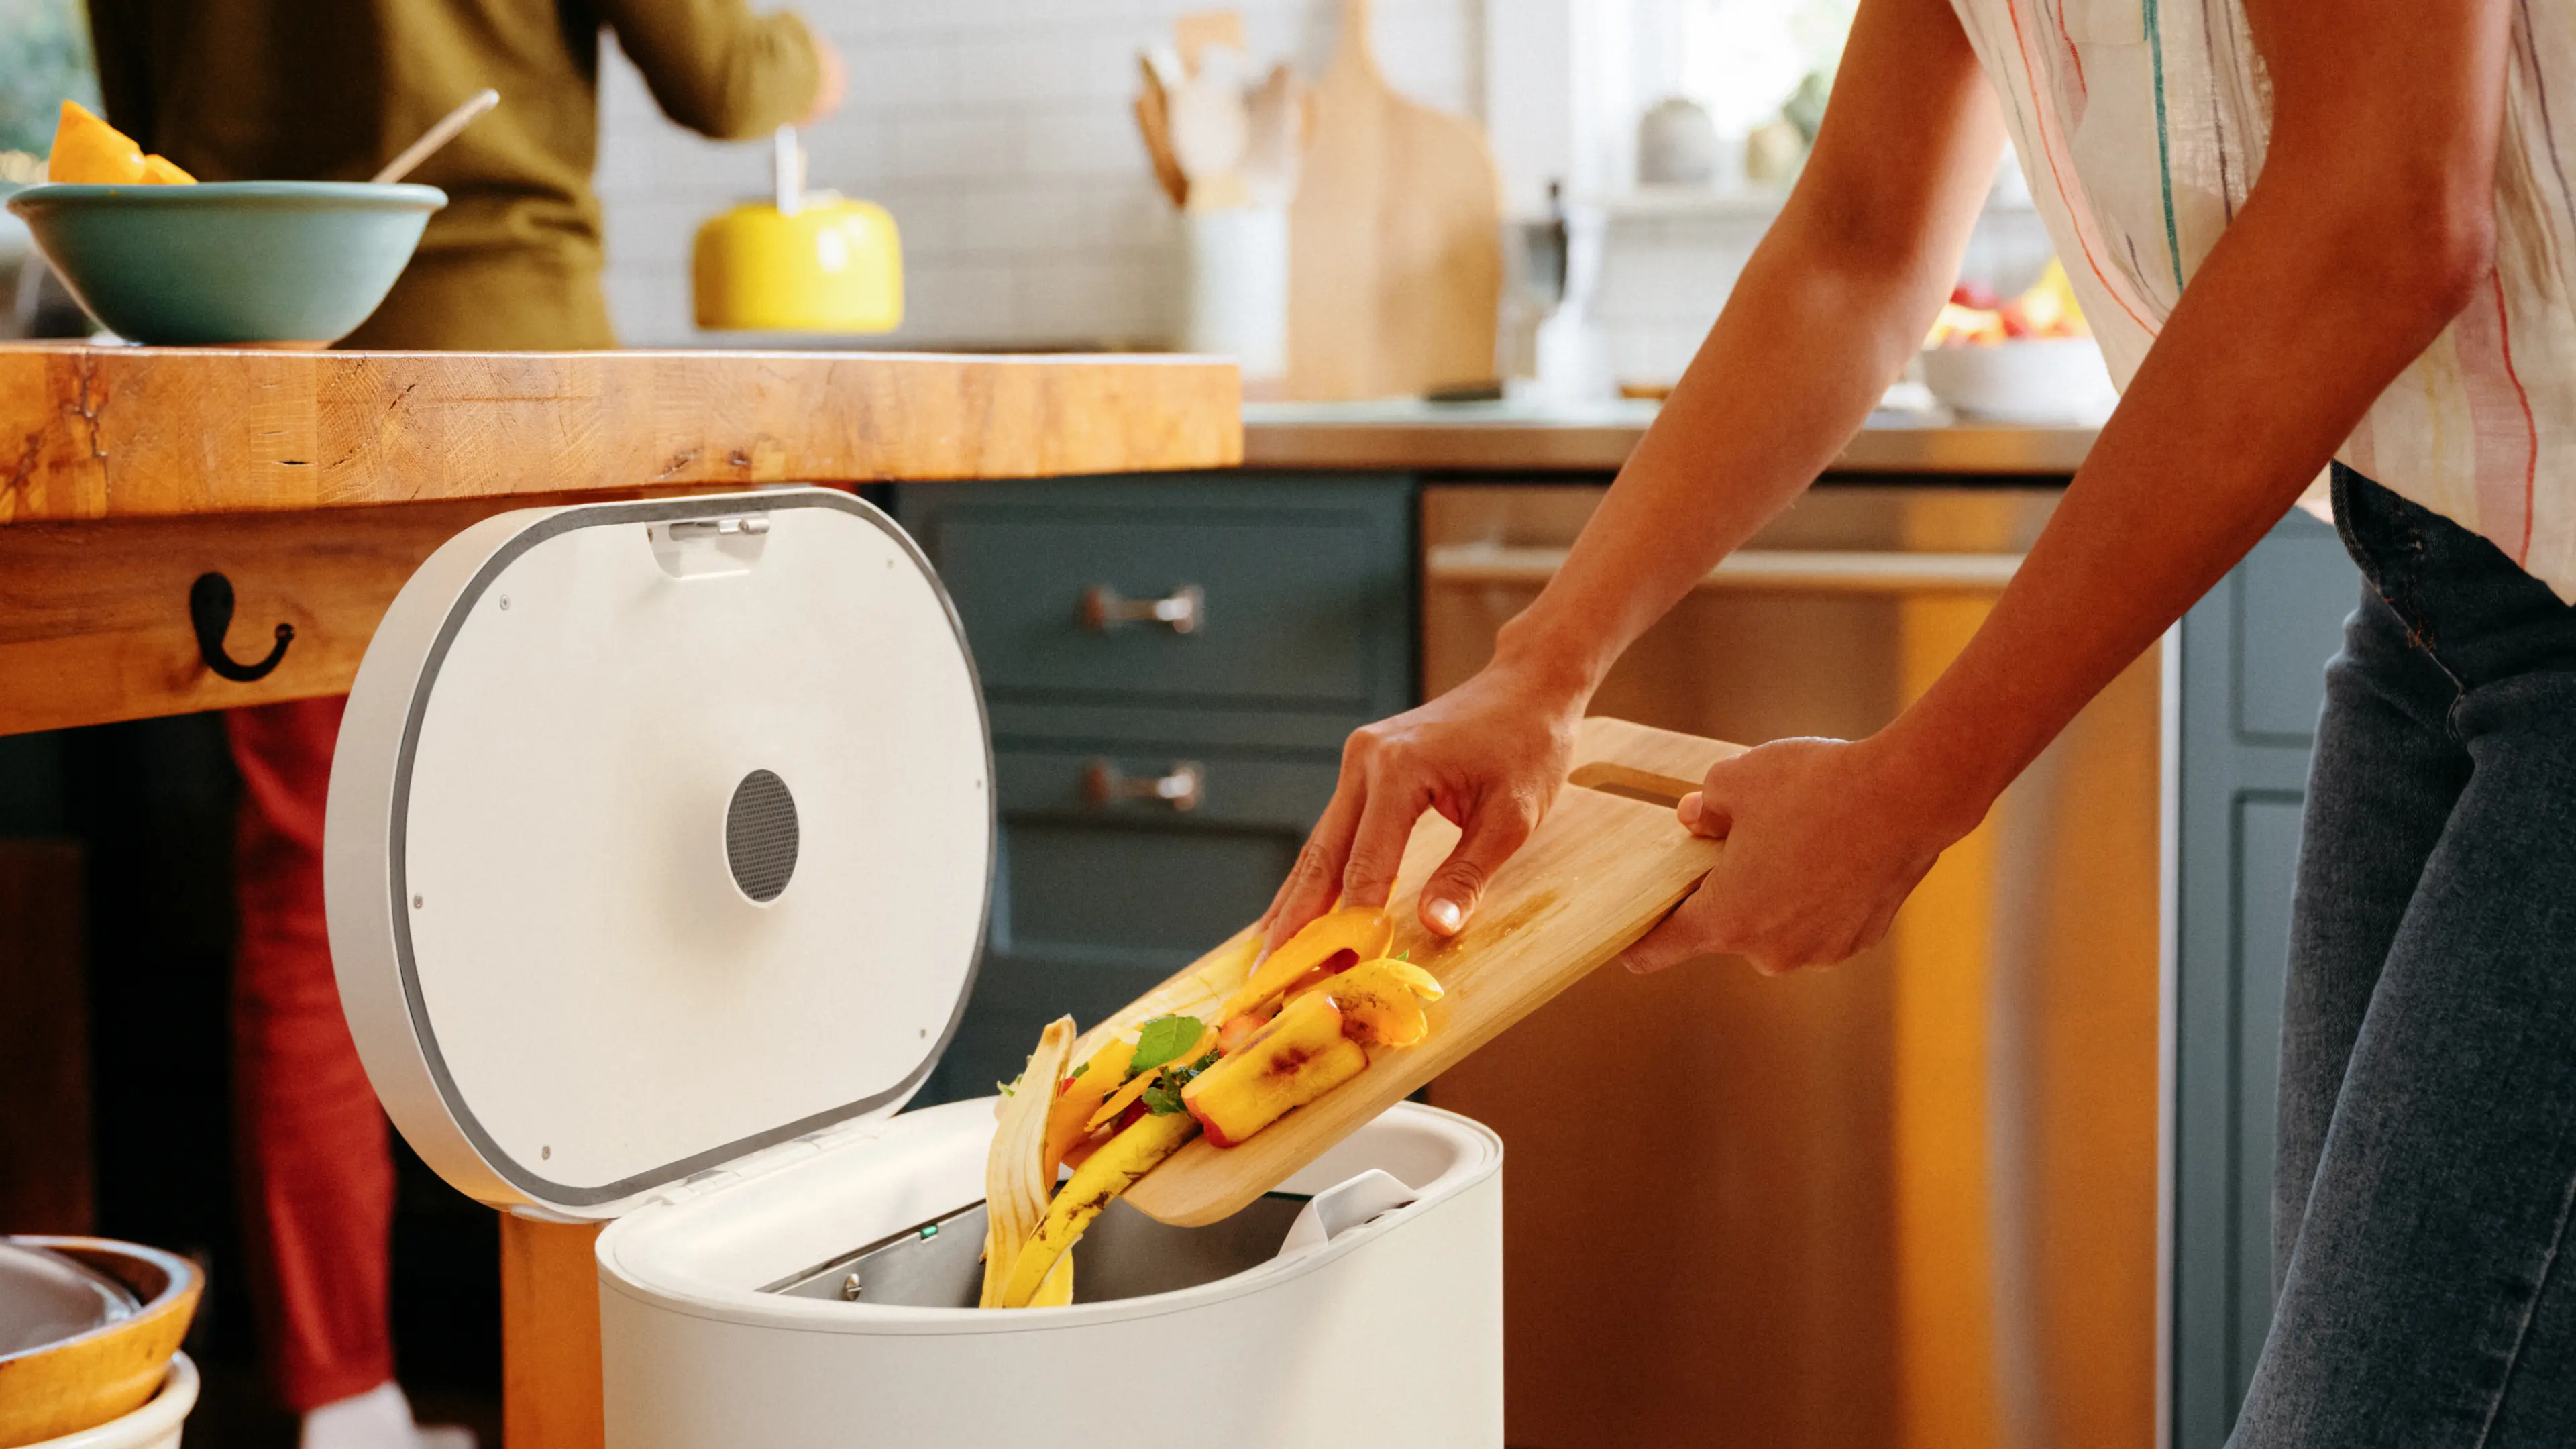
[1104, 1175]
[1297, 1026]
[1016, 1177]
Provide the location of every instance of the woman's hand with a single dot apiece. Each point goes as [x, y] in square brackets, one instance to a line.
[1488, 755]
[1824, 840]
[831, 79]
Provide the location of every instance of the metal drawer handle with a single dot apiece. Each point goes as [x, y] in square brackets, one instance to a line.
[1104, 785]
[1184, 609]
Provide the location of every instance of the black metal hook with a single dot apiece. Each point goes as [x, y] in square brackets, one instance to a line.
[210, 608]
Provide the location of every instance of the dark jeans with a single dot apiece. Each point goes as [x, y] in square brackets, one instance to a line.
[2428, 1071]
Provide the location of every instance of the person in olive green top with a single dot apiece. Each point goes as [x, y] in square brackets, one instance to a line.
[331, 90]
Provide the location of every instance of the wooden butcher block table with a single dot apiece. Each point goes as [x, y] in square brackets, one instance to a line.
[310, 484]
[149, 496]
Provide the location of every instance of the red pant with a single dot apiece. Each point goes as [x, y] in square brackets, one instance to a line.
[317, 1171]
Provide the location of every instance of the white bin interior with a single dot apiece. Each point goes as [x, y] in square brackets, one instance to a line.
[757, 1242]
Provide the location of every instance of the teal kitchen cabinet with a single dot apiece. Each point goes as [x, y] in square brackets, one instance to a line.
[1171, 664]
[2253, 662]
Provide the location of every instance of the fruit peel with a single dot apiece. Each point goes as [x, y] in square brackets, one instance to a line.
[1363, 931]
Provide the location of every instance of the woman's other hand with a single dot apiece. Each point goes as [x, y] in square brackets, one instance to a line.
[1824, 840]
[1488, 755]
[832, 79]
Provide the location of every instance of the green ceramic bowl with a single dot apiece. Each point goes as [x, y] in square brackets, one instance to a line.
[229, 261]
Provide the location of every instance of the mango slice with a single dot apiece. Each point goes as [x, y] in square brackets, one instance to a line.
[1362, 931]
[1302, 1054]
[1381, 1001]
[1077, 1097]
[90, 151]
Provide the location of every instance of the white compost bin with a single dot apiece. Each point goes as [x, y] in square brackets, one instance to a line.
[660, 844]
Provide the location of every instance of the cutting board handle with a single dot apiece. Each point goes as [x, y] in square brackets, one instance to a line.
[1354, 47]
[1641, 761]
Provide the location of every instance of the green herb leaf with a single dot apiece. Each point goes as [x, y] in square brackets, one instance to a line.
[1404, 955]
[1077, 1071]
[1009, 1088]
[1162, 1101]
[1162, 1039]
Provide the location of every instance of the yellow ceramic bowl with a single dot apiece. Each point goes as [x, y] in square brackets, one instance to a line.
[835, 265]
[52, 1389]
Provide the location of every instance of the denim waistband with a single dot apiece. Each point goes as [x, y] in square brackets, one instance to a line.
[2463, 602]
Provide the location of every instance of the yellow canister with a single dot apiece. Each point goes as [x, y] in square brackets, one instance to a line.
[807, 262]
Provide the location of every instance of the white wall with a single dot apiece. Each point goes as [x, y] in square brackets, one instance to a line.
[998, 133]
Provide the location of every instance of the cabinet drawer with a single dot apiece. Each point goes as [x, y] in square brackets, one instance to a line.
[1189, 790]
[1281, 596]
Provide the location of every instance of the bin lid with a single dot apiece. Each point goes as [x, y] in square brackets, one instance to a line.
[659, 833]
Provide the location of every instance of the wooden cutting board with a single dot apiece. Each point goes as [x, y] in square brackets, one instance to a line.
[1395, 240]
[1600, 871]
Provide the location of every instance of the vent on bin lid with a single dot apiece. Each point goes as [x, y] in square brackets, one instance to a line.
[760, 835]
[659, 833]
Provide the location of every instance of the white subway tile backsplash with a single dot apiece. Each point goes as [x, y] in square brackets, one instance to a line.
[1027, 219]
[1081, 140]
[957, 145]
[1082, 302]
[998, 134]
[1050, 63]
[899, 74]
[1132, 212]
[853, 154]
[973, 304]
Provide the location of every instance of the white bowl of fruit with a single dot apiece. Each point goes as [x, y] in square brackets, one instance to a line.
[2029, 359]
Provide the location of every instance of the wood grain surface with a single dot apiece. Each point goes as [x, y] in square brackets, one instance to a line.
[104, 432]
[94, 621]
[551, 1396]
[1395, 240]
[1600, 871]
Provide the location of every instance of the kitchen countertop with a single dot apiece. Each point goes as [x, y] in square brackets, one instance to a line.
[127, 432]
[1413, 435]
[309, 485]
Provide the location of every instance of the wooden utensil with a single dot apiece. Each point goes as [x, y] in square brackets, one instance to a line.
[1395, 240]
[1193, 33]
[1210, 127]
[1275, 117]
[1154, 119]
[437, 136]
[1607, 864]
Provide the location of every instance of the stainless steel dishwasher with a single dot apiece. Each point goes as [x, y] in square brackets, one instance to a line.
[1909, 1201]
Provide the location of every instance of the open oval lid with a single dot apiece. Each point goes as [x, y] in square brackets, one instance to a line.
[659, 833]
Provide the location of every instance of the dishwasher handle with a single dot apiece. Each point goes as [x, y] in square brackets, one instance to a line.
[1775, 570]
